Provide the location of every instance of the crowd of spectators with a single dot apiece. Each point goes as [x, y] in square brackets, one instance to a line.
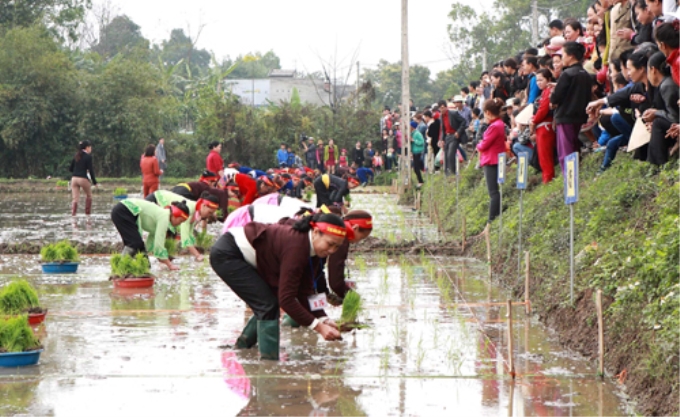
[583, 89]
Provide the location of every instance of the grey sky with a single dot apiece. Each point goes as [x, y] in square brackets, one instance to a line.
[299, 30]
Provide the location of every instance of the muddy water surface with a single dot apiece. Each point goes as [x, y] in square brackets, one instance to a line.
[436, 345]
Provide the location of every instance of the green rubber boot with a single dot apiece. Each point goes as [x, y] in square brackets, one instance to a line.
[268, 335]
[288, 321]
[248, 337]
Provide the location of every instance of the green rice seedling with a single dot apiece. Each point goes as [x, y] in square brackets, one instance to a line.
[18, 297]
[352, 305]
[385, 360]
[309, 193]
[396, 330]
[62, 183]
[16, 335]
[391, 237]
[126, 266]
[420, 353]
[219, 213]
[382, 260]
[204, 240]
[171, 246]
[118, 191]
[59, 252]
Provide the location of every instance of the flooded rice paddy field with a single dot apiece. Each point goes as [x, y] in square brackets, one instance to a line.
[436, 344]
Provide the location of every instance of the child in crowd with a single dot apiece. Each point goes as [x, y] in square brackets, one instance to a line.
[390, 160]
[343, 158]
[377, 162]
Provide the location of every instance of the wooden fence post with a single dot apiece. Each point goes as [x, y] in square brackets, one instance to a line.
[600, 332]
[511, 362]
[527, 303]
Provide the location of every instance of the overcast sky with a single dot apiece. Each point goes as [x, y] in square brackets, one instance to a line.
[299, 31]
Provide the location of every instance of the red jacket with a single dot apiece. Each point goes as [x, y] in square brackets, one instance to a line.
[543, 113]
[493, 143]
[674, 61]
[247, 187]
[150, 170]
[214, 162]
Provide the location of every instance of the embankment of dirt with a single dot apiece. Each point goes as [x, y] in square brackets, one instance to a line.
[627, 244]
[89, 248]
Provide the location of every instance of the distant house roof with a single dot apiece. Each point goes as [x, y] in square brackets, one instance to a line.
[282, 73]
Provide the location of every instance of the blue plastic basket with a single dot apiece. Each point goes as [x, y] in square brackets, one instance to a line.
[120, 197]
[13, 359]
[60, 267]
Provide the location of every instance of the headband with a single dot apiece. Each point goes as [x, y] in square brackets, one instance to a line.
[351, 236]
[364, 223]
[353, 180]
[178, 212]
[267, 181]
[203, 202]
[209, 178]
[330, 229]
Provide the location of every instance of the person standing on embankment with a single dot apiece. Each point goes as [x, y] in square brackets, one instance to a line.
[82, 170]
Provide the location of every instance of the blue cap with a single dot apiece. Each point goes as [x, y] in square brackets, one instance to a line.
[414, 124]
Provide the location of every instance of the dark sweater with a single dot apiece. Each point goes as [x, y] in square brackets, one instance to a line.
[197, 188]
[572, 95]
[283, 262]
[81, 167]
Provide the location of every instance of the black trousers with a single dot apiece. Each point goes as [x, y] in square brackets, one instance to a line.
[451, 143]
[181, 190]
[491, 175]
[227, 261]
[418, 166]
[659, 145]
[126, 224]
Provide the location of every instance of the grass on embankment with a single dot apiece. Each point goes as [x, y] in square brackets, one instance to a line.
[627, 243]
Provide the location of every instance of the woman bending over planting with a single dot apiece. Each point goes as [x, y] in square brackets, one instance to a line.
[274, 266]
[359, 225]
[193, 191]
[134, 216]
[200, 210]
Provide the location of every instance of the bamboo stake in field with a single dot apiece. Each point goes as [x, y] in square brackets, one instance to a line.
[527, 303]
[464, 233]
[600, 332]
[488, 248]
[511, 362]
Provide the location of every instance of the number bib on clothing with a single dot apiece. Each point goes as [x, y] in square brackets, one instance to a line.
[317, 301]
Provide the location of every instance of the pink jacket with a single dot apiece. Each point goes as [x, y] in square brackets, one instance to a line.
[493, 143]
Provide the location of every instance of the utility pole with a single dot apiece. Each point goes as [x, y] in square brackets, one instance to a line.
[534, 23]
[484, 67]
[358, 84]
[405, 173]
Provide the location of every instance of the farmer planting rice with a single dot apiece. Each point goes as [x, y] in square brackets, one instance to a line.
[134, 216]
[201, 210]
[274, 266]
[359, 225]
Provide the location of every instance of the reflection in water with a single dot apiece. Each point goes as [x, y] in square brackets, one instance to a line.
[434, 346]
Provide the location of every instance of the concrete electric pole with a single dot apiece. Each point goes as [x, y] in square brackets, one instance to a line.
[405, 173]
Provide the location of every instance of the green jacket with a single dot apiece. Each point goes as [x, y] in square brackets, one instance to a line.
[417, 142]
[152, 219]
[336, 155]
[186, 229]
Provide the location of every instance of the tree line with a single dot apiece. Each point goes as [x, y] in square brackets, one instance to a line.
[121, 92]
